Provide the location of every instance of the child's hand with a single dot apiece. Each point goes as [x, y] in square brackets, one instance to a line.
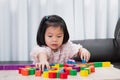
[42, 65]
[84, 54]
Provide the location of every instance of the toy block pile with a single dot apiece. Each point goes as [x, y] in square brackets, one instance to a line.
[87, 68]
[62, 71]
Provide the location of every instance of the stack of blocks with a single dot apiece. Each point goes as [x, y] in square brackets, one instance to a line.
[63, 70]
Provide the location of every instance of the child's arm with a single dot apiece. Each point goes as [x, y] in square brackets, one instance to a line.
[42, 61]
[39, 57]
[84, 54]
[77, 49]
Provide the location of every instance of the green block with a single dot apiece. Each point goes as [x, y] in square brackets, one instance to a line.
[73, 72]
[88, 70]
[82, 68]
[32, 71]
[98, 64]
[61, 65]
[87, 65]
[58, 75]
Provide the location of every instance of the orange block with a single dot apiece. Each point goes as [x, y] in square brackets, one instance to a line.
[82, 65]
[68, 68]
[38, 73]
[25, 72]
[92, 68]
[27, 66]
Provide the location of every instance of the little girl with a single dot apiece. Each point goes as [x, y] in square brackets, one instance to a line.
[53, 45]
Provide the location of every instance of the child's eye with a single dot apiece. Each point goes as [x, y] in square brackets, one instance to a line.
[49, 36]
[59, 36]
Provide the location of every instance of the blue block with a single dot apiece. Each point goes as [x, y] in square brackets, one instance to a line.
[83, 61]
[52, 64]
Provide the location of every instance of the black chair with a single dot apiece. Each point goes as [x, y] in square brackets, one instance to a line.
[103, 49]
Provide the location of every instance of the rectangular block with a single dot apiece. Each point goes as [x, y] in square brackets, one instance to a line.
[98, 64]
[11, 67]
[106, 64]
[1, 67]
[14, 66]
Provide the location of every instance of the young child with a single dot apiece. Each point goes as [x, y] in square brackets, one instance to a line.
[53, 45]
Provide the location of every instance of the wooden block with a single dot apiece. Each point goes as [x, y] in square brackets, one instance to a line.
[52, 74]
[83, 61]
[73, 72]
[57, 74]
[98, 64]
[92, 68]
[38, 73]
[45, 74]
[19, 70]
[88, 69]
[63, 76]
[84, 73]
[106, 64]
[24, 72]
[31, 71]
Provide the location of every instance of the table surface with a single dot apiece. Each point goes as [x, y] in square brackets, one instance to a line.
[101, 73]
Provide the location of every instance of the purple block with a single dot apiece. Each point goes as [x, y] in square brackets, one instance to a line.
[16, 66]
[11, 67]
[1, 67]
[32, 65]
[77, 68]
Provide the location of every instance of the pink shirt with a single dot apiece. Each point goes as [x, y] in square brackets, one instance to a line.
[65, 52]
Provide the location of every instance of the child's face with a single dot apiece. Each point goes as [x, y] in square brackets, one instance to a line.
[54, 37]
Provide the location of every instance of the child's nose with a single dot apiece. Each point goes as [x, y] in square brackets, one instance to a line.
[54, 39]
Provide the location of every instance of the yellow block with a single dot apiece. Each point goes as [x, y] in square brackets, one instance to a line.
[45, 74]
[106, 64]
[88, 70]
[84, 73]
[57, 65]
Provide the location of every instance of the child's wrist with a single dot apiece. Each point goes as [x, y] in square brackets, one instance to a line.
[42, 57]
[80, 49]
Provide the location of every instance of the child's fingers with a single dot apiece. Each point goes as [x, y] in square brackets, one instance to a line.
[48, 66]
[42, 67]
[82, 56]
[87, 57]
[37, 65]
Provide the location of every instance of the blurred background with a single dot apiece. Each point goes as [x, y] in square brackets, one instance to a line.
[85, 19]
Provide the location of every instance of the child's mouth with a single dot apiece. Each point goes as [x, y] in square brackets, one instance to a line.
[54, 45]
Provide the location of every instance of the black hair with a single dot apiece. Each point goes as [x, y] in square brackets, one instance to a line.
[51, 20]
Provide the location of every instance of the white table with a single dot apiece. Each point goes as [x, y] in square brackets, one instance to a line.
[102, 73]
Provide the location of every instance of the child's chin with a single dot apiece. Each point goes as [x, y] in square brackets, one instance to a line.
[54, 49]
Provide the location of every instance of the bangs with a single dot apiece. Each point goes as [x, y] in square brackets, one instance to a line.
[55, 24]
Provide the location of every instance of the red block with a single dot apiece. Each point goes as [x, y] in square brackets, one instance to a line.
[52, 74]
[19, 70]
[63, 76]
[66, 65]
[67, 71]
